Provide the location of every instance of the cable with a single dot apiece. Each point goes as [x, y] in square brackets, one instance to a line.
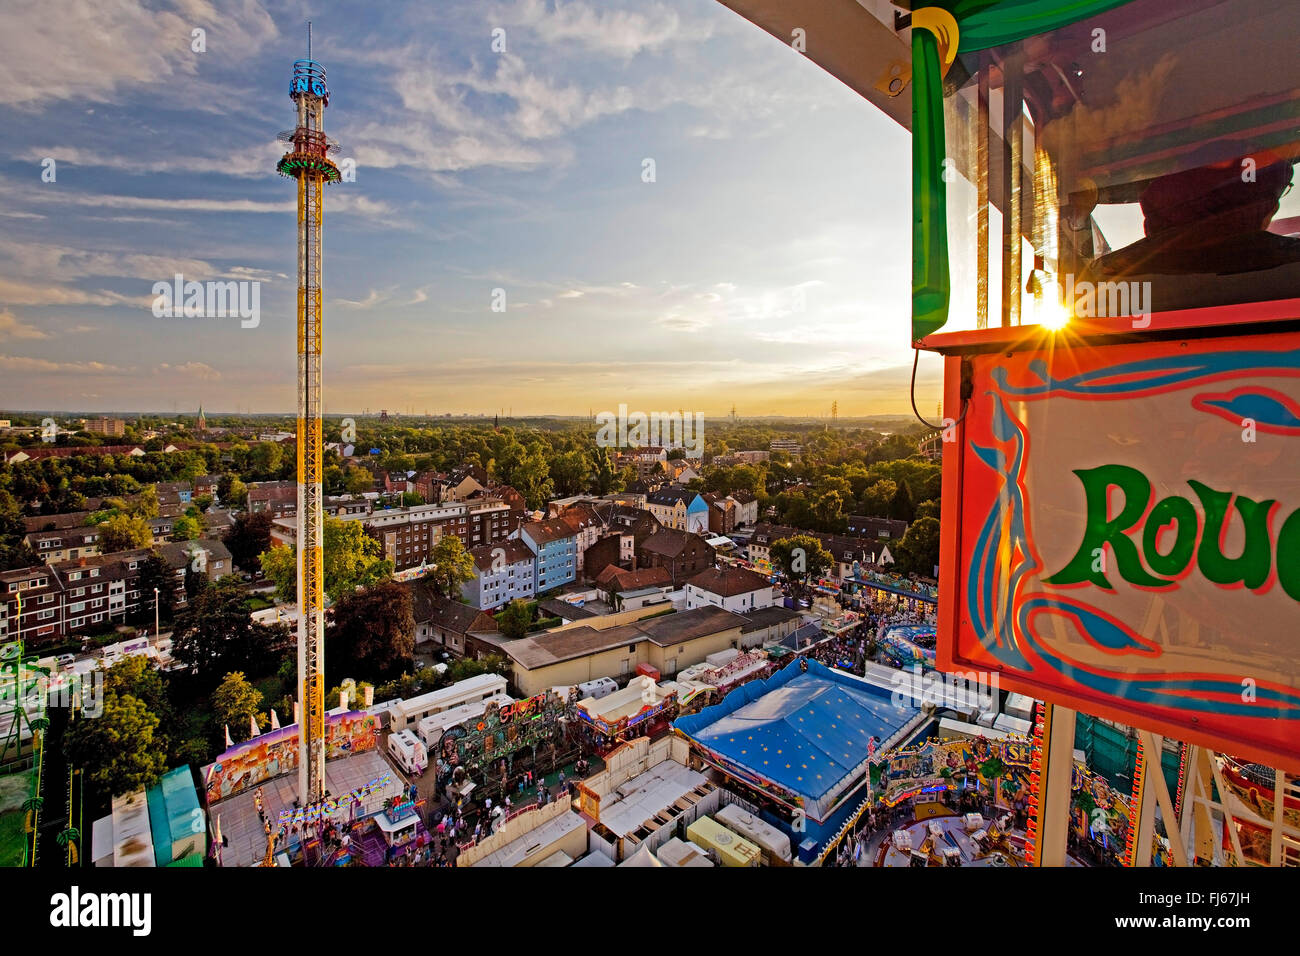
[966, 389]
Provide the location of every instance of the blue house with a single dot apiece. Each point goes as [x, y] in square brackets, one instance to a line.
[679, 509]
[555, 545]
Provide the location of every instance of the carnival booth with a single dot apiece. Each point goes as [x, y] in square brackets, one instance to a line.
[798, 745]
[628, 712]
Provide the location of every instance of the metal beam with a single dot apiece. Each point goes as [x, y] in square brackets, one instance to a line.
[853, 41]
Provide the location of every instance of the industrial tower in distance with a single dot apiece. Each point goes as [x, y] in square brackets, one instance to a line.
[308, 162]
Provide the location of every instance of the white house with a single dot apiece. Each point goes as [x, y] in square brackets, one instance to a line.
[731, 588]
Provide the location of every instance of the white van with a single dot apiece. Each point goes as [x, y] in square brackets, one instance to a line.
[598, 688]
[409, 752]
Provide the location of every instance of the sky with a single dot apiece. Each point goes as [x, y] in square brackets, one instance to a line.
[766, 266]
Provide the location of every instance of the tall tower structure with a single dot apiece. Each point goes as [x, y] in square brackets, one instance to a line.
[308, 162]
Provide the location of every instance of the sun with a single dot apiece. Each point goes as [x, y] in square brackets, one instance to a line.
[1051, 314]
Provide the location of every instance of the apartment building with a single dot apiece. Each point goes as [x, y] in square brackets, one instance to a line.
[60, 599]
[502, 573]
[679, 509]
[64, 544]
[555, 546]
[112, 427]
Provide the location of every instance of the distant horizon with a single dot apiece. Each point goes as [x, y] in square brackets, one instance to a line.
[645, 203]
[556, 416]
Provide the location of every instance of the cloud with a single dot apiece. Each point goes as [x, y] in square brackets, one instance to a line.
[16, 292]
[11, 327]
[21, 363]
[204, 373]
[678, 322]
[52, 50]
[622, 33]
[252, 161]
[369, 302]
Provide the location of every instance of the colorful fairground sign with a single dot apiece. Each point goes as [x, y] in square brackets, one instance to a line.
[1127, 536]
[1112, 257]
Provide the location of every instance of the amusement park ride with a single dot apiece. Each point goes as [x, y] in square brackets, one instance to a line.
[1100, 230]
[308, 162]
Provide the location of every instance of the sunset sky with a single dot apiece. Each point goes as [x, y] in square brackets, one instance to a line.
[767, 266]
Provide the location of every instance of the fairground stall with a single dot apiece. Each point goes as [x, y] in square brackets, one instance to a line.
[797, 745]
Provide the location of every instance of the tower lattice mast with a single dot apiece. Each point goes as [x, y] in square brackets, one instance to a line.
[308, 162]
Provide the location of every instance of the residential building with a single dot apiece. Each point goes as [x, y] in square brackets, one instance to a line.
[112, 427]
[746, 508]
[53, 547]
[341, 506]
[679, 509]
[648, 463]
[722, 512]
[624, 588]
[624, 530]
[206, 556]
[71, 519]
[787, 445]
[87, 594]
[588, 527]
[741, 458]
[280, 498]
[733, 588]
[502, 573]
[556, 547]
[681, 552]
[69, 451]
[408, 535]
[846, 551]
[863, 526]
[181, 492]
[442, 623]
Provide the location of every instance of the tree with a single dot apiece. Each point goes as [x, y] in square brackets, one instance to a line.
[136, 675]
[901, 507]
[569, 472]
[248, 537]
[879, 497]
[828, 508]
[233, 702]
[186, 528]
[358, 481]
[800, 559]
[918, 552]
[603, 475]
[280, 565]
[265, 459]
[352, 560]
[146, 503]
[514, 618]
[525, 470]
[232, 492]
[124, 533]
[928, 509]
[156, 573]
[121, 750]
[217, 633]
[453, 566]
[371, 633]
[203, 503]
